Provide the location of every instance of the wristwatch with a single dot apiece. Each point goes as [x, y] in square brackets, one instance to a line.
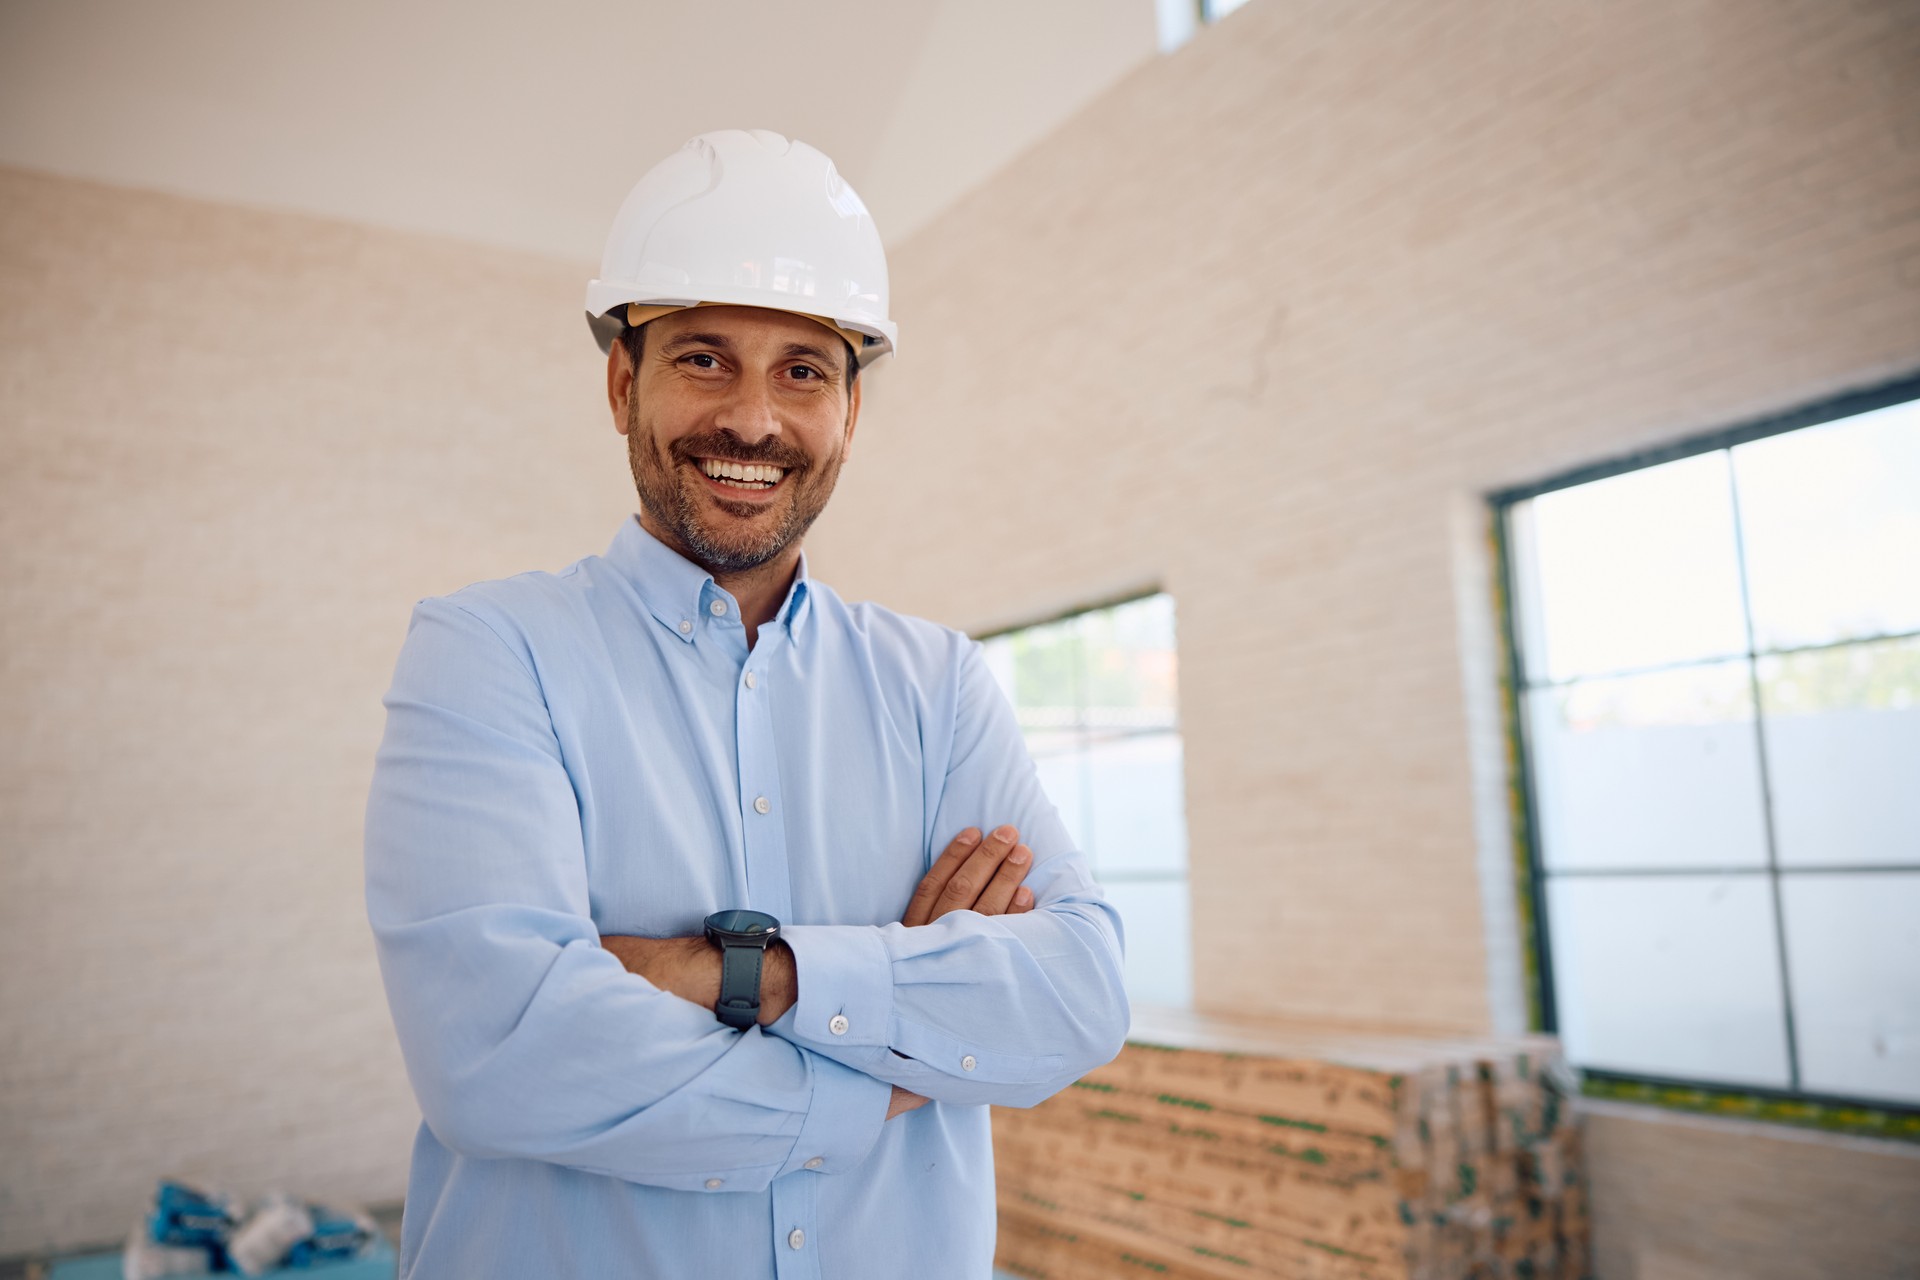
[743, 937]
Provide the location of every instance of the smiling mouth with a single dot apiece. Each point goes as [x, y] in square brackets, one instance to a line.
[751, 476]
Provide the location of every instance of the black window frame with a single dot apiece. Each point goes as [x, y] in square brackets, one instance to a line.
[1875, 1117]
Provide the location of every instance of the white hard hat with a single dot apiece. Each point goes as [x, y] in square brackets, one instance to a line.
[750, 219]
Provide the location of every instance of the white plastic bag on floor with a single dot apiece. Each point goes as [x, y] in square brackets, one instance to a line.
[145, 1260]
[265, 1238]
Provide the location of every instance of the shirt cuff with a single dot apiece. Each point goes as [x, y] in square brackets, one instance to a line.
[843, 1120]
[845, 978]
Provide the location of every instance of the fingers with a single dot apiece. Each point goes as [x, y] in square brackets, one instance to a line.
[997, 898]
[966, 885]
[920, 908]
[975, 873]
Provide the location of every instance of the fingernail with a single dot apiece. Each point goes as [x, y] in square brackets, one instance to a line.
[1020, 856]
[1006, 835]
[970, 836]
[1022, 896]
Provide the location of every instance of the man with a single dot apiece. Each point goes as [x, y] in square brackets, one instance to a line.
[682, 988]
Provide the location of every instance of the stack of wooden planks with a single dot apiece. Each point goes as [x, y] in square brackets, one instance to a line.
[1214, 1148]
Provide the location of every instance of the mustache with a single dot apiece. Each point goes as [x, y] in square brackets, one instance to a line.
[724, 445]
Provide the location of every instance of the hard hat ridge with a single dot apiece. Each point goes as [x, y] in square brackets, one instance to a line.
[746, 218]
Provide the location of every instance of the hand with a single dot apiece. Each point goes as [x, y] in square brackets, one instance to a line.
[975, 874]
[903, 1102]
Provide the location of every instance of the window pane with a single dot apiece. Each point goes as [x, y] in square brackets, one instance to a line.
[1670, 976]
[1130, 667]
[1831, 521]
[1634, 571]
[1159, 969]
[1046, 675]
[1648, 772]
[1137, 797]
[1853, 949]
[1843, 754]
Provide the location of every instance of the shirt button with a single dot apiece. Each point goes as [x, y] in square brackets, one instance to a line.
[838, 1025]
[749, 679]
[815, 1163]
[796, 1238]
[686, 627]
[967, 1063]
[762, 805]
[713, 1184]
[717, 608]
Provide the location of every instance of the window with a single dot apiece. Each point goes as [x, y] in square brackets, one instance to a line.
[1716, 666]
[1096, 697]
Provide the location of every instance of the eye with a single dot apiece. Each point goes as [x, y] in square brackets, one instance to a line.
[806, 373]
[702, 360]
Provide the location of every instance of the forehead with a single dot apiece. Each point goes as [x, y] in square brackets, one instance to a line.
[747, 327]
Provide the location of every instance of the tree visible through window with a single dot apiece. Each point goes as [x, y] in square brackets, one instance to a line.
[1718, 674]
[1097, 698]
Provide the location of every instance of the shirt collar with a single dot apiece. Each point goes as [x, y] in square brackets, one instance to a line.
[679, 593]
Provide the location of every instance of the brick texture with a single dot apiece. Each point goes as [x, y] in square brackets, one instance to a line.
[1264, 324]
[239, 446]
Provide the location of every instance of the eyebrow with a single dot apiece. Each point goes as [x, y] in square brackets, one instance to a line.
[790, 351]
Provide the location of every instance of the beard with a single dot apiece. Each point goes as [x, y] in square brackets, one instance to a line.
[741, 535]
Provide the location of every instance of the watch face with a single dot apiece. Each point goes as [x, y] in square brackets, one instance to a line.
[746, 925]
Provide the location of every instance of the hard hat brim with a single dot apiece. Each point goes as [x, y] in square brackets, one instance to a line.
[607, 301]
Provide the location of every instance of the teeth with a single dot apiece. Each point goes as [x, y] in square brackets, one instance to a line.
[742, 472]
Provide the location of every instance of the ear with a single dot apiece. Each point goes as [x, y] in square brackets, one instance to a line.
[853, 420]
[619, 384]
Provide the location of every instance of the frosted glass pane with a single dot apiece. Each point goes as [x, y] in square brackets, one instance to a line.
[1670, 976]
[1831, 519]
[1138, 820]
[1046, 674]
[1635, 571]
[1853, 949]
[1159, 947]
[1131, 672]
[1843, 753]
[1062, 778]
[1648, 772]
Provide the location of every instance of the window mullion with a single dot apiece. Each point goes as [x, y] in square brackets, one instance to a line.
[1766, 784]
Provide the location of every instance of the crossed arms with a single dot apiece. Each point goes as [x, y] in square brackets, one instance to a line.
[976, 872]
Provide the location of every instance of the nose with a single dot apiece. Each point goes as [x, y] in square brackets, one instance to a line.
[748, 411]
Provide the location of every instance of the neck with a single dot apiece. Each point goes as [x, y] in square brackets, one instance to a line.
[758, 591]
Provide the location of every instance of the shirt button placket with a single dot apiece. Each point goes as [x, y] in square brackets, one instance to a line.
[795, 1224]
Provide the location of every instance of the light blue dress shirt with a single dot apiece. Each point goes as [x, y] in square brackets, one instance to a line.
[597, 751]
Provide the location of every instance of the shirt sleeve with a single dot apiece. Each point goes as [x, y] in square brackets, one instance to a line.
[522, 1036]
[1002, 1009]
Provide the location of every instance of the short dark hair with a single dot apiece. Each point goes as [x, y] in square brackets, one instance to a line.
[633, 338]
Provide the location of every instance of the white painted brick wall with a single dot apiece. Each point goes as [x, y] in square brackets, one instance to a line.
[1266, 323]
[238, 447]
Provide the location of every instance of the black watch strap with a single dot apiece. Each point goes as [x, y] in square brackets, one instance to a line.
[739, 1005]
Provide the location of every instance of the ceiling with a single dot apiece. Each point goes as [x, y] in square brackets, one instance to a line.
[523, 126]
